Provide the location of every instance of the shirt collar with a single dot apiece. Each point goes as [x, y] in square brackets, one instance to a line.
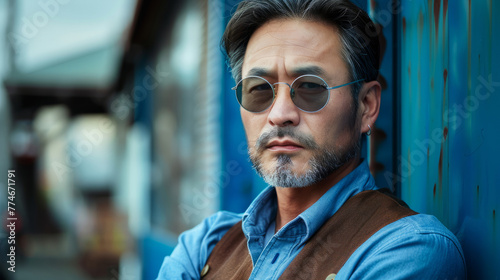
[263, 209]
[260, 213]
[355, 182]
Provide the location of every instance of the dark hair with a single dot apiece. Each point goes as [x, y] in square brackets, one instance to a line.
[358, 34]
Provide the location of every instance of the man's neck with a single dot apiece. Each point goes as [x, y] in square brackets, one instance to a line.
[293, 201]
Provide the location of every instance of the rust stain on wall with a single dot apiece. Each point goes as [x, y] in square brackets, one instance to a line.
[377, 138]
[437, 9]
[440, 169]
[404, 26]
[445, 77]
[420, 26]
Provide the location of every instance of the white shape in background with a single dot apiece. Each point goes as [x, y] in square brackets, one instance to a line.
[135, 180]
[92, 147]
[186, 52]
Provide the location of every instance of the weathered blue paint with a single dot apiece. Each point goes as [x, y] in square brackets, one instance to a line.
[450, 89]
[424, 96]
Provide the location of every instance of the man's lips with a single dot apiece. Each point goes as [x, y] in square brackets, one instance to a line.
[283, 146]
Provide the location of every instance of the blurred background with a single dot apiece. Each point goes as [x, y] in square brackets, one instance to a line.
[119, 121]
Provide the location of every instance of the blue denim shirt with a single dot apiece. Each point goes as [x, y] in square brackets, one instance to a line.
[415, 247]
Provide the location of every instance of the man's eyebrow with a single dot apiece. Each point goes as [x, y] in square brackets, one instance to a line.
[314, 70]
[261, 72]
[298, 71]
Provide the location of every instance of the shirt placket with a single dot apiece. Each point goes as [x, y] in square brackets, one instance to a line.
[271, 259]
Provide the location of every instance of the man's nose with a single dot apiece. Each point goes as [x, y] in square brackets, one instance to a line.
[283, 112]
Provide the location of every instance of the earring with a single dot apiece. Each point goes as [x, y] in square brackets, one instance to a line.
[369, 132]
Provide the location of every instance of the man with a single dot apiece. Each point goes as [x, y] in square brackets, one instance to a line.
[306, 75]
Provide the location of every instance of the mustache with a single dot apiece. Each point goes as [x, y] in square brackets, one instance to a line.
[307, 141]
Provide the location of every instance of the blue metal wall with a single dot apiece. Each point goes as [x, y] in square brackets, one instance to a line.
[450, 85]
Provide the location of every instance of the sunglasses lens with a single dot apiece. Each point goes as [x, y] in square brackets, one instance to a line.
[310, 93]
[254, 94]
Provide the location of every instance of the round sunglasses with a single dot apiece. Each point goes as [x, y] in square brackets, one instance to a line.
[309, 93]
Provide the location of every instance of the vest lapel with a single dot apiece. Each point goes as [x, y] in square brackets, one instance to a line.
[230, 258]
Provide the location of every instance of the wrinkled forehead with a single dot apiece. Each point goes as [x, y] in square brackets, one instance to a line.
[293, 47]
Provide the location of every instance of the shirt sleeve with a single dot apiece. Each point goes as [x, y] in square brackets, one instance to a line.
[404, 250]
[195, 245]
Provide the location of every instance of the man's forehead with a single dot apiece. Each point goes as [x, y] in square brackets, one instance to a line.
[297, 46]
[296, 32]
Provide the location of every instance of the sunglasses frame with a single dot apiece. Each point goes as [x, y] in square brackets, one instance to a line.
[272, 85]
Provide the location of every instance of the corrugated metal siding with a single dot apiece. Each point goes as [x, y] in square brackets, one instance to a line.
[450, 89]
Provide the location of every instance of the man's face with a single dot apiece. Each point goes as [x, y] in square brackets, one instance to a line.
[290, 147]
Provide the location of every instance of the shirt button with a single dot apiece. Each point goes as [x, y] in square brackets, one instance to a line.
[204, 271]
[331, 276]
[275, 258]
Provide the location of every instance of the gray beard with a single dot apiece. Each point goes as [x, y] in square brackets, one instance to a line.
[324, 162]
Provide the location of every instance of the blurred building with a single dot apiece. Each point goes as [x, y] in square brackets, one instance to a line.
[120, 123]
[62, 63]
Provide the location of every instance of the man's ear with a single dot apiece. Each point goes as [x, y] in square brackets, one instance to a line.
[369, 104]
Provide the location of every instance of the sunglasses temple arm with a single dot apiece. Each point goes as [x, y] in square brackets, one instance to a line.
[357, 81]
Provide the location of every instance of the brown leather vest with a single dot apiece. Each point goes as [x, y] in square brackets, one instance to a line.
[326, 251]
